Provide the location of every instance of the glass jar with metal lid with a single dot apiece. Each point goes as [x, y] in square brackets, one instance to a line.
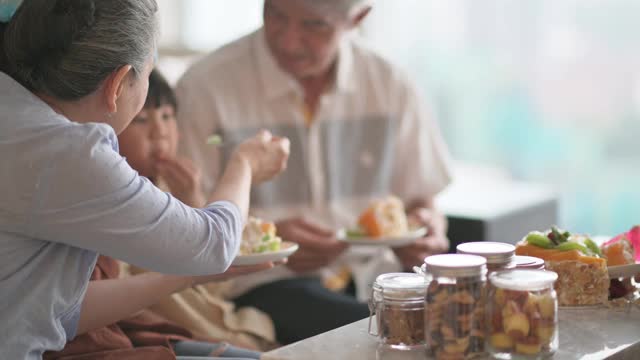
[454, 318]
[528, 262]
[398, 301]
[500, 256]
[522, 314]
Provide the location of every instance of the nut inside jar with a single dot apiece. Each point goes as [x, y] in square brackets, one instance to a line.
[402, 325]
[454, 319]
[398, 300]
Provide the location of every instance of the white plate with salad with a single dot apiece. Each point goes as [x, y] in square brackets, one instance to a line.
[358, 237]
[260, 244]
[286, 249]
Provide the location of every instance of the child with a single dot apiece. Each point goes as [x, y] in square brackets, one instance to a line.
[150, 146]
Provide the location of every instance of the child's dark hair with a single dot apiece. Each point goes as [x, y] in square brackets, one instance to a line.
[160, 92]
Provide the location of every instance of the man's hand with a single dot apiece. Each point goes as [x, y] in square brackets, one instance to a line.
[435, 242]
[183, 179]
[318, 246]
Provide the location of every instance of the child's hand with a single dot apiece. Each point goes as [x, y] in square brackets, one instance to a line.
[183, 179]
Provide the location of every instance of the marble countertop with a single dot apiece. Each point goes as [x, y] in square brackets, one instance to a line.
[585, 334]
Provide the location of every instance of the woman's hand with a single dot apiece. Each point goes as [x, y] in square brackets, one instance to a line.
[111, 300]
[266, 154]
[233, 272]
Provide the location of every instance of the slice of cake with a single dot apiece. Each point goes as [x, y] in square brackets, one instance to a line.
[583, 278]
[619, 251]
[384, 217]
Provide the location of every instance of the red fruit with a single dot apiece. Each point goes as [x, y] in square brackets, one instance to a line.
[617, 289]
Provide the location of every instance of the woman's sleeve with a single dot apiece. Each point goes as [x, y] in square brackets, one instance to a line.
[94, 200]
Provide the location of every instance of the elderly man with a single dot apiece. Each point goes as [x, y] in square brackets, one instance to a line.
[358, 131]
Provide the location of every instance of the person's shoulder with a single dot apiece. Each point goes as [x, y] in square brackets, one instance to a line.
[92, 135]
[92, 155]
[378, 66]
[222, 62]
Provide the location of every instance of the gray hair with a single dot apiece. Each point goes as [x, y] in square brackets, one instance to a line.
[67, 48]
[343, 7]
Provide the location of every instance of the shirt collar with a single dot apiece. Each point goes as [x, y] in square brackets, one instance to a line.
[345, 79]
[276, 82]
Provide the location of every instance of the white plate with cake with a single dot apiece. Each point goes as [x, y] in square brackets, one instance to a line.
[383, 223]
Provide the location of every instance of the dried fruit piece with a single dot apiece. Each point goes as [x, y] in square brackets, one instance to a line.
[545, 333]
[501, 341]
[530, 346]
[547, 306]
[516, 326]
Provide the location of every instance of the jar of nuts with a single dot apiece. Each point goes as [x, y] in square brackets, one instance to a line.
[397, 300]
[522, 320]
[500, 256]
[454, 313]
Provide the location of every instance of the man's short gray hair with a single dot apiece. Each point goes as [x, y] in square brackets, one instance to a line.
[343, 7]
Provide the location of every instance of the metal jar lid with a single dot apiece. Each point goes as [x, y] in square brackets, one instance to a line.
[528, 262]
[523, 280]
[494, 252]
[456, 265]
[401, 286]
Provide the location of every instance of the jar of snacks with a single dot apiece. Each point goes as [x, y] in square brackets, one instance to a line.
[500, 256]
[529, 262]
[397, 300]
[522, 314]
[454, 314]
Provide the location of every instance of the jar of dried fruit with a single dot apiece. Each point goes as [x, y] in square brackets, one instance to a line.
[397, 300]
[522, 314]
[529, 262]
[454, 313]
[500, 256]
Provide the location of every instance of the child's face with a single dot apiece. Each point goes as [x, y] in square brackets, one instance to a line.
[152, 135]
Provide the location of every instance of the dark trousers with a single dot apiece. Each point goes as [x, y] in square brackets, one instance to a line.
[302, 307]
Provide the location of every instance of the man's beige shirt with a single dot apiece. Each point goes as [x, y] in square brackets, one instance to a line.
[371, 136]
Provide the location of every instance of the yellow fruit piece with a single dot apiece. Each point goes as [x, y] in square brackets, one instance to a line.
[501, 341]
[545, 333]
[509, 309]
[531, 305]
[516, 326]
[547, 307]
[528, 349]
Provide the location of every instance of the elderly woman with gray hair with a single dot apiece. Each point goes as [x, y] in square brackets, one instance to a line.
[74, 73]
